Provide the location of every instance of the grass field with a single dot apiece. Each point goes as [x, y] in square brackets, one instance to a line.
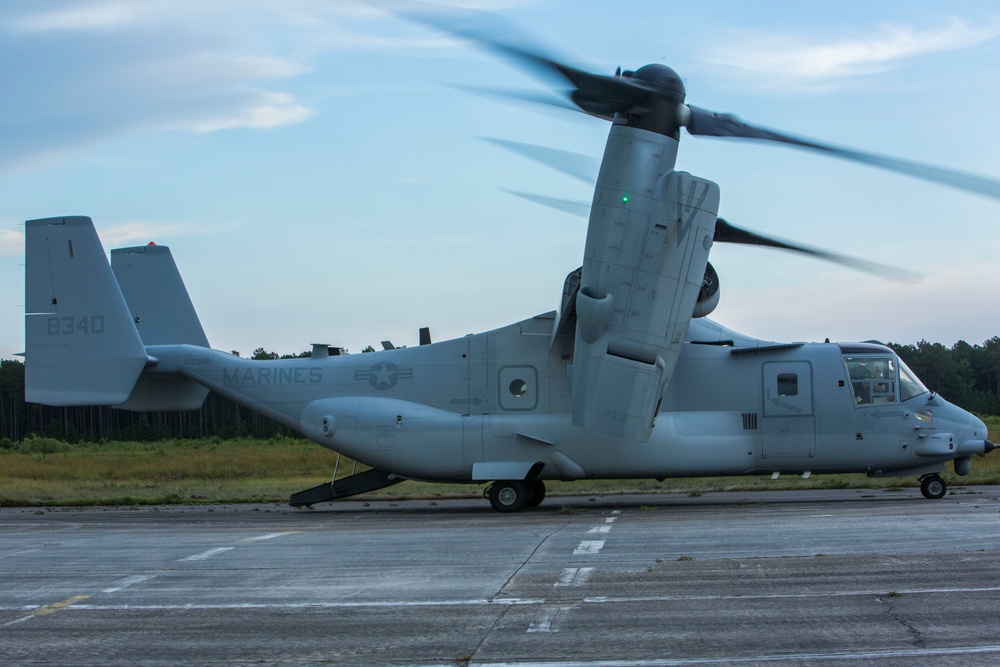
[42, 471]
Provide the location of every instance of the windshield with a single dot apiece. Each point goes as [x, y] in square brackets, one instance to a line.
[909, 384]
[874, 379]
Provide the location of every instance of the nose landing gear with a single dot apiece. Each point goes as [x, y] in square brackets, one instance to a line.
[933, 487]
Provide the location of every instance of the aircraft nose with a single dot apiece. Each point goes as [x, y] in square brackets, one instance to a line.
[977, 441]
[979, 426]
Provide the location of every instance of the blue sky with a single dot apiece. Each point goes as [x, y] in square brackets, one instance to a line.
[320, 177]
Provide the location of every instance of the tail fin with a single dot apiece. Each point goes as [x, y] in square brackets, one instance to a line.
[156, 296]
[163, 315]
[81, 346]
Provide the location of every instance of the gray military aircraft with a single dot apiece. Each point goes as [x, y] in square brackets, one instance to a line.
[628, 379]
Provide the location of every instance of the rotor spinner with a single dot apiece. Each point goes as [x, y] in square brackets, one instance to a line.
[664, 109]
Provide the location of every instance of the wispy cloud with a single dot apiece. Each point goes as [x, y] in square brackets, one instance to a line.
[132, 232]
[144, 231]
[272, 110]
[77, 73]
[81, 72]
[800, 61]
[97, 16]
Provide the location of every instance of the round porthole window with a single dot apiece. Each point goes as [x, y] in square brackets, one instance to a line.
[518, 388]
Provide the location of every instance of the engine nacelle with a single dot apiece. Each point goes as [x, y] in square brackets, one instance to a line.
[708, 297]
[644, 263]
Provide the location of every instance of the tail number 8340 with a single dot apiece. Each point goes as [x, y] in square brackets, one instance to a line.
[85, 325]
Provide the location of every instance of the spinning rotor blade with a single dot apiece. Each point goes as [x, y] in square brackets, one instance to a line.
[597, 94]
[530, 97]
[579, 166]
[702, 122]
[655, 95]
[653, 89]
[577, 208]
[727, 233]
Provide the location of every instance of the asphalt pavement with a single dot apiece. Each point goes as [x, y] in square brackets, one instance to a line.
[782, 577]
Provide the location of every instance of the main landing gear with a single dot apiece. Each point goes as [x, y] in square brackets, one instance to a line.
[513, 495]
[933, 487]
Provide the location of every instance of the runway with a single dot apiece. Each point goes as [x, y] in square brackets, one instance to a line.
[782, 577]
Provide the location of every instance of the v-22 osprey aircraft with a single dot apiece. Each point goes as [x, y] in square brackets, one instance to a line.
[627, 379]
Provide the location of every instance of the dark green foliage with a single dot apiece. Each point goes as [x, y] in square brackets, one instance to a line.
[12, 406]
[968, 375]
[35, 445]
[219, 417]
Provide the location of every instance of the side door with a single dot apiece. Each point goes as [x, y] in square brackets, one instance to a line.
[789, 424]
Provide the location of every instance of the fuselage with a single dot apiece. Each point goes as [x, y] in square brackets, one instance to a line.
[493, 405]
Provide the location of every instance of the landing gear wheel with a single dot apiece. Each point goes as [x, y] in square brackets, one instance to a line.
[536, 493]
[508, 495]
[933, 487]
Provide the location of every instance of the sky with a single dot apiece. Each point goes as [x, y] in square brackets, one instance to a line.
[321, 174]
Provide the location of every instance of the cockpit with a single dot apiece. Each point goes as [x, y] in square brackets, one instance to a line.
[881, 378]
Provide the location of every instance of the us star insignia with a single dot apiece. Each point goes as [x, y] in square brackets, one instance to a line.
[384, 375]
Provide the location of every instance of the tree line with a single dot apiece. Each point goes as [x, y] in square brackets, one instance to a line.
[219, 416]
[967, 375]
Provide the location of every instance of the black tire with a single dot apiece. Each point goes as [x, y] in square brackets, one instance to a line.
[536, 493]
[933, 487]
[508, 495]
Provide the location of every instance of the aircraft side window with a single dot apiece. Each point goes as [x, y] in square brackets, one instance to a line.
[860, 374]
[788, 384]
[517, 388]
[873, 379]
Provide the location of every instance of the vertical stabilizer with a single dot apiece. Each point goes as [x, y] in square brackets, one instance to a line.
[81, 347]
[164, 315]
[156, 296]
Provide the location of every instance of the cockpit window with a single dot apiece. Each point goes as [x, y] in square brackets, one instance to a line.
[873, 379]
[909, 385]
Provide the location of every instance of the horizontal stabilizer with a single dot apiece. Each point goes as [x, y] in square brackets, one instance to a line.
[81, 346]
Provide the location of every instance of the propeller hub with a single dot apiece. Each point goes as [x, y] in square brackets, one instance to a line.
[664, 79]
[661, 97]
